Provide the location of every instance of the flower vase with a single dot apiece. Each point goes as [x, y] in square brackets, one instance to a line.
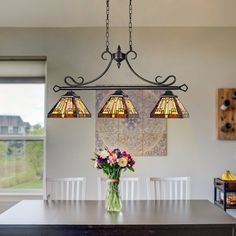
[113, 201]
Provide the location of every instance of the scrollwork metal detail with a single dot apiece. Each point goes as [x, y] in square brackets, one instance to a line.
[74, 81]
[165, 81]
[79, 81]
[159, 82]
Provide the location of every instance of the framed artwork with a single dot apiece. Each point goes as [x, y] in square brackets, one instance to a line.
[143, 136]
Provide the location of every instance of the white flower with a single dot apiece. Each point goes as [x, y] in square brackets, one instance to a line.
[95, 164]
[122, 162]
[104, 154]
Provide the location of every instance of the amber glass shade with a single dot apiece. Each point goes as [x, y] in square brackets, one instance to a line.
[169, 106]
[118, 106]
[69, 106]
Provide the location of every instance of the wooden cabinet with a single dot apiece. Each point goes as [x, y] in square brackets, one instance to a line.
[225, 193]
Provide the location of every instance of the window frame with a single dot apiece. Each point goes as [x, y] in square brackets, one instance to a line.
[25, 137]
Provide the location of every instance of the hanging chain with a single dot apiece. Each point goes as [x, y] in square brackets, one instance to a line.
[107, 25]
[130, 25]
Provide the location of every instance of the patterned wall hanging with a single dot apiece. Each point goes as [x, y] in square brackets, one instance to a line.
[141, 136]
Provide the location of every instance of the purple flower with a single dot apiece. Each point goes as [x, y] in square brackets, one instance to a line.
[101, 160]
[117, 151]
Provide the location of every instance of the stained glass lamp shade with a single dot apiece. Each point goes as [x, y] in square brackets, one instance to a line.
[118, 106]
[169, 106]
[69, 106]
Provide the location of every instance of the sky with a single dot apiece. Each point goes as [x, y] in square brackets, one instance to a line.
[25, 100]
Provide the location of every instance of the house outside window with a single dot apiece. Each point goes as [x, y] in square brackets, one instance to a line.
[10, 130]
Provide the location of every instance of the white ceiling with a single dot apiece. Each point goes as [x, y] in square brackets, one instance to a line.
[77, 13]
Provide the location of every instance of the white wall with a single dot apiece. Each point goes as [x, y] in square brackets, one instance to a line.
[204, 58]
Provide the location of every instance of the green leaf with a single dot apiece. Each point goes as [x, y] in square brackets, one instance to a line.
[130, 168]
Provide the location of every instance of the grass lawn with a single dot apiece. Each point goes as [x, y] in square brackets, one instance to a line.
[30, 184]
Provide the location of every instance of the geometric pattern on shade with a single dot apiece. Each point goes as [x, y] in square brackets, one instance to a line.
[69, 106]
[169, 106]
[118, 106]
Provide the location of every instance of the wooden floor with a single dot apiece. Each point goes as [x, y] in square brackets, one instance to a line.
[4, 205]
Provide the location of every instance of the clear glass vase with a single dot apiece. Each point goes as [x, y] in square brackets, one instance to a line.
[113, 201]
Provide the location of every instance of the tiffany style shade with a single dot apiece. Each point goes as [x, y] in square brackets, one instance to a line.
[169, 106]
[118, 106]
[69, 106]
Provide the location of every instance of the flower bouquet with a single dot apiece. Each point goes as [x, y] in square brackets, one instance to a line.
[113, 163]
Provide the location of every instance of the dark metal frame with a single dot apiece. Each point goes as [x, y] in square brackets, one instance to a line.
[159, 83]
[223, 186]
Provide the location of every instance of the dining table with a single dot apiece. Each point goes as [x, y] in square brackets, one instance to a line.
[141, 217]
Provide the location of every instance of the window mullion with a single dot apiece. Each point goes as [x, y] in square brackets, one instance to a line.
[22, 137]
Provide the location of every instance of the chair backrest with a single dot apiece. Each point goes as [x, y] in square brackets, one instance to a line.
[65, 188]
[129, 188]
[170, 188]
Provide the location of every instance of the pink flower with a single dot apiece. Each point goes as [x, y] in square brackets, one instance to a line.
[112, 159]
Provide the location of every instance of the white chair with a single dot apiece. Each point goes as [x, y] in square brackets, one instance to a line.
[129, 188]
[65, 188]
[171, 188]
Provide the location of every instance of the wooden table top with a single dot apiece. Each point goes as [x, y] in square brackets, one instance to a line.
[4, 205]
[192, 212]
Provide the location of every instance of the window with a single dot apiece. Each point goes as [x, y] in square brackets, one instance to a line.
[22, 133]
[10, 130]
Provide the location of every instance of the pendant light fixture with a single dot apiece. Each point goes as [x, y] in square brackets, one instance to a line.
[69, 106]
[119, 105]
[169, 106]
